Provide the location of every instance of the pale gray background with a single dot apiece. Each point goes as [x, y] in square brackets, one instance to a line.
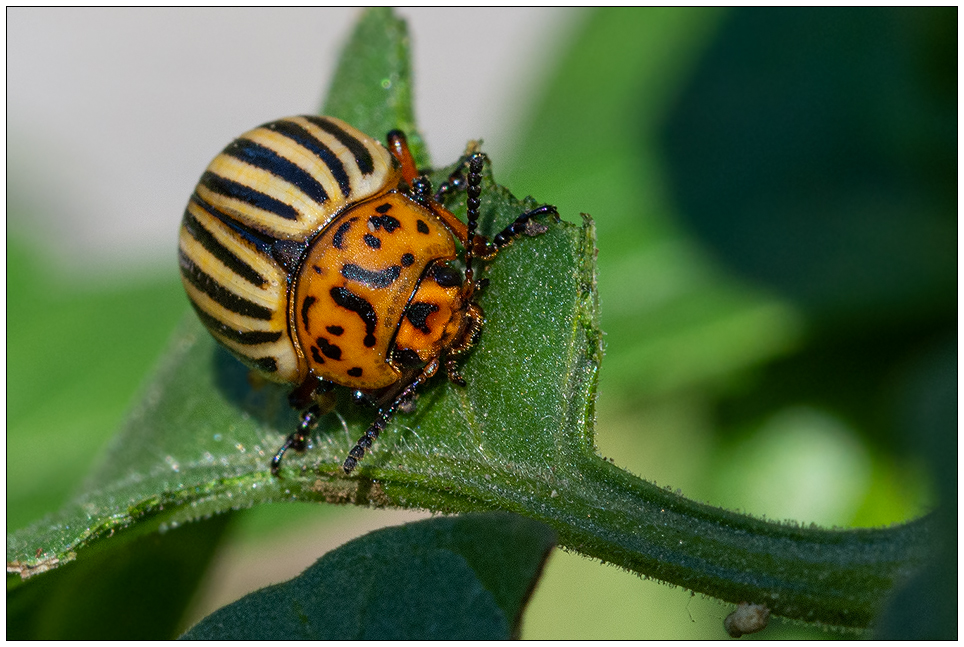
[112, 114]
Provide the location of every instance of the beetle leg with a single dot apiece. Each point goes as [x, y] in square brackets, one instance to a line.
[452, 370]
[298, 439]
[307, 391]
[454, 183]
[523, 224]
[398, 146]
[385, 415]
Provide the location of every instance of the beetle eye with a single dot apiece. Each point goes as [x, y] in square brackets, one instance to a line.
[447, 276]
[406, 357]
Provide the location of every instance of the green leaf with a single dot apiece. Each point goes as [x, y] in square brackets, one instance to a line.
[372, 87]
[465, 577]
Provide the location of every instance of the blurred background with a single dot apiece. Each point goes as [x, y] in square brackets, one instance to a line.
[775, 196]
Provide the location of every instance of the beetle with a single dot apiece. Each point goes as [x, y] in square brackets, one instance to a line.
[321, 258]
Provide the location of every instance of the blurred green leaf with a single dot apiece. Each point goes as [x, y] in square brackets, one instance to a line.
[135, 587]
[72, 375]
[466, 577]
[814, 150]
[674, 319]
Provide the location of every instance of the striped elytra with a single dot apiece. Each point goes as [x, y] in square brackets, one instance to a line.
[278, 184]
[319, 258]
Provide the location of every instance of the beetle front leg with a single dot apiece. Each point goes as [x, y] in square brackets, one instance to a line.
[385, 415]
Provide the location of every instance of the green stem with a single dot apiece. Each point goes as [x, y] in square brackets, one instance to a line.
[833, 577]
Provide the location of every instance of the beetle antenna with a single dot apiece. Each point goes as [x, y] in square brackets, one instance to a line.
[472, 203]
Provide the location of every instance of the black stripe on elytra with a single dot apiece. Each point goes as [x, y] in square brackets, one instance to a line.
[265, 364]
[418, 313]
[379, 279]
[388, 222]
[383, 208]
[302, 137]
[231, 189]
[355, 371]
[247, 338]
[351, 301]
[339, 236]
[221, 295]
[363, 158]
[209, 242]
[372, 241]
[337, 331]
[260, 240]
[304, 310]
[271, 161]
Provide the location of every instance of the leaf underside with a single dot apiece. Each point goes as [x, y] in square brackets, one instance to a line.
[465, 577]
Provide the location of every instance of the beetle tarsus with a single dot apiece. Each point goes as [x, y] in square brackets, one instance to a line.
[298, 440]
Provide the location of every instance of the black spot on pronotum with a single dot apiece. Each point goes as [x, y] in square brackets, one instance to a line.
[422, 227]
[355, 371]
[337, 331]
[387, 223]
[379, 279]
[305, 305]
[408, 259]
[329, 350]
[372, 241]
[338, 239]
[317, 356]
[418, 313]
[351, 301]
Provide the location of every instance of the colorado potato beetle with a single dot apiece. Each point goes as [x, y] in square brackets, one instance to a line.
[319, 257]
